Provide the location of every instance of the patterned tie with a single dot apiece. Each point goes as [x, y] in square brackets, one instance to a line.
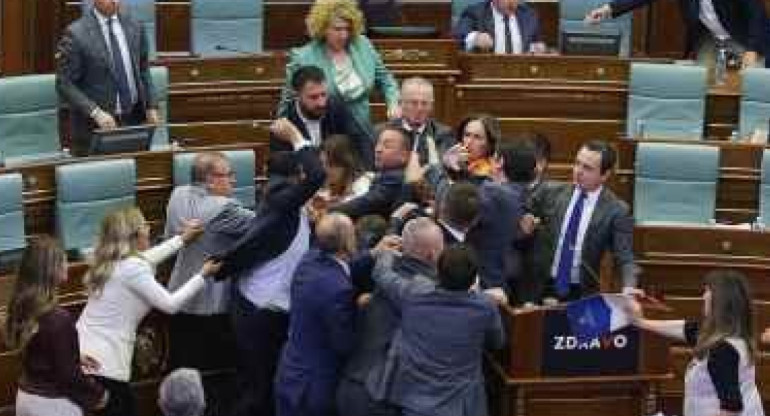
[124, 90]
[567, 255]
[508, 39]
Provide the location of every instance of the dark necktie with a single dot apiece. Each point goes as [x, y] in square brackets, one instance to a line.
[567, 254]
[124, 90]
[508, 40]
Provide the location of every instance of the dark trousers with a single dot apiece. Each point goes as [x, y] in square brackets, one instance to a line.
[353, 399]
[121, 401]
[259, 337]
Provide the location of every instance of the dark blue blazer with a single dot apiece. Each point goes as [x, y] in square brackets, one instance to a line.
[745, 20]
[501, 206]
[321, 336]
[479, 18]
[273, 228]
[385, 194]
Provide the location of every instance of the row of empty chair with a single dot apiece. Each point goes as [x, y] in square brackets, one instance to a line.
[86, 191]
[677, 183]
[29, 117]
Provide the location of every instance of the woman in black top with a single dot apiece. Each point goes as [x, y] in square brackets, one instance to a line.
[52, 381]
[720, 378]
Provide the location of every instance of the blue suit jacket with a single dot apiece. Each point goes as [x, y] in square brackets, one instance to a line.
[385, 194]
[321, 335]
[479, 18]
[745, 21]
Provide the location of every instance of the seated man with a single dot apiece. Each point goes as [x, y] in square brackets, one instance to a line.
[435, 362]
[499, 26]
[315, 114]
[429, 137]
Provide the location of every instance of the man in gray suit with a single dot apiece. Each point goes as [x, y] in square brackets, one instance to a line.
[362, 380]
[578, 223]
[103, 73]
[205, 316]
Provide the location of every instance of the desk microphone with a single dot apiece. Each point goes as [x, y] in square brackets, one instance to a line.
[234, 50]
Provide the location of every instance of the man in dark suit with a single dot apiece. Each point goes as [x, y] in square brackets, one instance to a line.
[499, 26]
[264, 260]
[321, 324]
[435, 361]
[315, 114]
[387, 189]
[458, 211]
[103, 74]
[744, 22]
[362, 387]
[430, 139]
[580, 222]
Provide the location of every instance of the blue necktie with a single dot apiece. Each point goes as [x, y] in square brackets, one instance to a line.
[567, 254]
[124, 90]
[508, 39]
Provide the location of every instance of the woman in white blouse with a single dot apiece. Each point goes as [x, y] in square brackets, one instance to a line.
[122, 290]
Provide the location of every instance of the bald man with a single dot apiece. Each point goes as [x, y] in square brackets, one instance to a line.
[320, 323]
[422, 244]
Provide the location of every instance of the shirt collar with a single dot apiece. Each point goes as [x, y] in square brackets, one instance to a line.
[411, 128]
[591, 195]
[342, 264]
[302, 115]
[102, 18]
[457, 234]
[498, 15]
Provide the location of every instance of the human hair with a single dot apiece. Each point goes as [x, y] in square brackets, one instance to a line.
[417, 82]
[421, 238]
[204, 164]
[491, 130]
[730, 312]
[406, 137]
[34, 290]
[335, 234]
[370, 229]
[457, 268]
[542, 146]
[607, 153]
[339, 153]
[518, 160]
[305, 74]
[324, 11]
[460, 205]
[118, 238]
[181, 393]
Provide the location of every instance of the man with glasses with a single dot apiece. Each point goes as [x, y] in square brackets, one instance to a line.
[429, 137]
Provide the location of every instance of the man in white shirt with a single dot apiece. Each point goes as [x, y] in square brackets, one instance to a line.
[499, 26]
[103, 73]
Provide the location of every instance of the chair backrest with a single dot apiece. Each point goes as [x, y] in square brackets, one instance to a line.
[141, 10]
[572, 13]
[241, 161]
[159, 74]
[11, 213]
[29, 117]
[458, 6]
[764, 189]
[86, 192]
[755, 101]
[675, 183]
[226, 27]
[666, 101]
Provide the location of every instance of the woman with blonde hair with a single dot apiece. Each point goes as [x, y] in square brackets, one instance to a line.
[52, 381]
[350, 63]
[720, 378]
[122, 290]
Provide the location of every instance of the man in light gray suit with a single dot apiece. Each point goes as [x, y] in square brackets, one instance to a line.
[435, 359]
[102, 72]
[362, 380]
[205, 316]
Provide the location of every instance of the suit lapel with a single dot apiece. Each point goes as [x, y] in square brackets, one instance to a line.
[523, 29]
[362, 62]
[489, 23]
[95, 33]
[562, 204]
[131, 32]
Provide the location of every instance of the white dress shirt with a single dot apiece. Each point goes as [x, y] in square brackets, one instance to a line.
[708, 16]
[585, 219]
[499, 35]
[313, 127]
[117, 28]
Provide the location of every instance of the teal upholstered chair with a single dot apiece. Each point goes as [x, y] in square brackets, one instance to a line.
[572, 13]
[764, 190]
[141, 10]
[228, 27]
[86, 192]
[242, 163]
[666, 101]
[458, 6]
[675, 183]
[159, 74]
[29, 119]
[755, 101]
[11, 219]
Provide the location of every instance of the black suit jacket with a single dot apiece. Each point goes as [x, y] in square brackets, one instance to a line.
[479, 18]
[745, 20]
[385, 194]
[442, 135]
[272, 230]
[610, 229]
[85, 77]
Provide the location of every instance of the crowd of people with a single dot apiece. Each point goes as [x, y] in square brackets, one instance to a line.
[367, 281]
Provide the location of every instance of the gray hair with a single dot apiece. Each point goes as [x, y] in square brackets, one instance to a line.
[181, 394]
[422, 238]
[204, 163]
[417, 82]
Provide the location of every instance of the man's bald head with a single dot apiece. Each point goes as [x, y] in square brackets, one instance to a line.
[335, 234]
[422, 239]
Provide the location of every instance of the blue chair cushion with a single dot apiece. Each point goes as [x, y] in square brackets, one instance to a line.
[29, 117]
[241, 161]
[11, 213]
